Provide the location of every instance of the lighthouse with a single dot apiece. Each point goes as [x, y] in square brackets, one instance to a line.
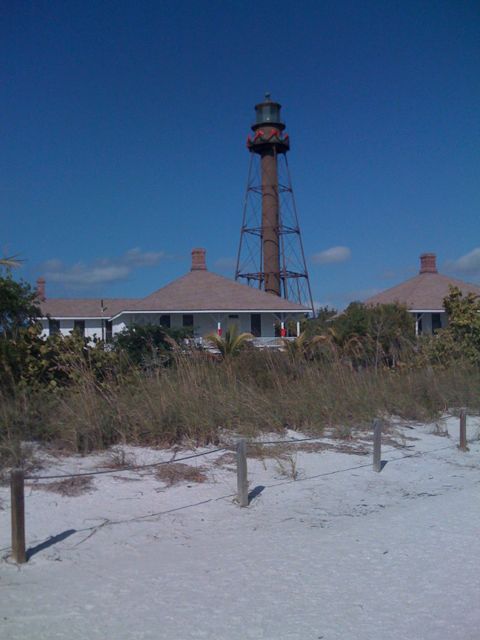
[270, 254]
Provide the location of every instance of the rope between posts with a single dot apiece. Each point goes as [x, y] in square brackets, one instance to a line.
[362, 466]
[206, 453]
[20, 555]
[293, 441]
[122, 469]
[422, 453]
[418, 454]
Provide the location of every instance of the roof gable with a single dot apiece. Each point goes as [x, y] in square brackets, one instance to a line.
[198, 290]
[424, 292]
[84, 307]
[201, 290]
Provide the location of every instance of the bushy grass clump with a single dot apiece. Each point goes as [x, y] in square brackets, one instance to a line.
[198, 399]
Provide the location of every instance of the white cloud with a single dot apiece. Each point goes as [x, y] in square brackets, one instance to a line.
[332, 255]
[469, 263]
[138, 258]
[101, 271]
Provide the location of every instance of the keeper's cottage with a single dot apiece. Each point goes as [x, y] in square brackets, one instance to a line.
[423, 295]
[200, 300]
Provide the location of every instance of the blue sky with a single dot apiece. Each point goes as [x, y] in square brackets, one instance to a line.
[124, 126]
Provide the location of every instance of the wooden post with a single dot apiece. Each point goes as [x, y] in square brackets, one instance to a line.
[242, 478]
[377, 445]
[17, 492]
[463, 431]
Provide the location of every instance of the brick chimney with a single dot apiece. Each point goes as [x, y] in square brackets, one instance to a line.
[428, 263]
[198, 260]
[41, 289]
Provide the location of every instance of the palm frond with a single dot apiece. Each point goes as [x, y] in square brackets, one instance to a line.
[10, 262]
[230, 344]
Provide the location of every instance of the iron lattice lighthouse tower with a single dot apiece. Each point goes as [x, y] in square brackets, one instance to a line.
[270, 253]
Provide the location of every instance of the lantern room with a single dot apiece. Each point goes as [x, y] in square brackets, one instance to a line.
[268, 114]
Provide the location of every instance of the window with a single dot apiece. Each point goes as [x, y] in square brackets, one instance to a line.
[165, 321]
[79, 327]
[53, 326]
[108, 330]
[256, 325]
[187, 320]
[436, 322]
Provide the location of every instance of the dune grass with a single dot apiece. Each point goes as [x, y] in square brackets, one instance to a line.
[197, 401]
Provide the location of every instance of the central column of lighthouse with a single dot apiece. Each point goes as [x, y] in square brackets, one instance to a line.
[270, 222]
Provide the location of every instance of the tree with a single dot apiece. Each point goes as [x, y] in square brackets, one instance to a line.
[303, 347]
[18, 306]
[149, 345]
[321, 322]
[460, 340]
[231, 344]
[18, 327]
[373, 335]
[391, 328]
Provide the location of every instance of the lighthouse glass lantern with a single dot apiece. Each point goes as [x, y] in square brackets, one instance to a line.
[268, 112]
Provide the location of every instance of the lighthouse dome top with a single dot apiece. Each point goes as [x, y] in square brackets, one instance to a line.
[268, 114]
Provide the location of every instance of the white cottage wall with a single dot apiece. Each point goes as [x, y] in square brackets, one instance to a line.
[204, 323]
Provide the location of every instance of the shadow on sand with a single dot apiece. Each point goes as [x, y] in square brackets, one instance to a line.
[49, 542]
[256, 491]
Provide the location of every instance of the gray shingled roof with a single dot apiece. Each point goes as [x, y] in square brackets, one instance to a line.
[201, 290]
[198, 290]
[84, 307]
[424, 292]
